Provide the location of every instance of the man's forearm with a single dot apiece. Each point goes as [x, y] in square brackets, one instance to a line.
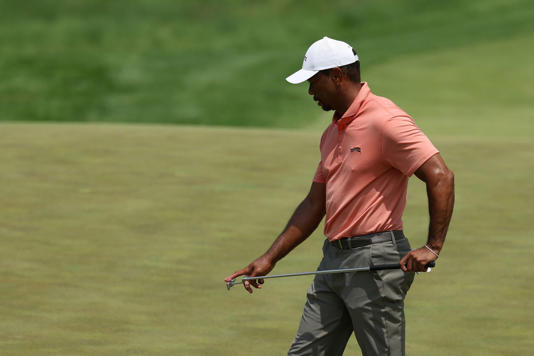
[440, 206]
[302, 223]
[439, 182]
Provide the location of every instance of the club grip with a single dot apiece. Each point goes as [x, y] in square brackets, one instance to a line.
[431, 264]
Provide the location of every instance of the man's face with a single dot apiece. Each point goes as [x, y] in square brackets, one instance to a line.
[322, 89]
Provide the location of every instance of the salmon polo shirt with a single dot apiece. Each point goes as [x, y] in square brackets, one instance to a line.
[367, 156]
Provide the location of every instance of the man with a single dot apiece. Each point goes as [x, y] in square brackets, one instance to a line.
[368, 153]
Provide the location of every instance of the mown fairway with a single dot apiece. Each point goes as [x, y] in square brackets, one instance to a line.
[115, 238]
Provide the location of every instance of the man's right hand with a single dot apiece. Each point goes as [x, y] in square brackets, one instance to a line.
[259, 267]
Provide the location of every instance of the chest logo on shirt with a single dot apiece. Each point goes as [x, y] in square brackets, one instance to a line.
[355, 149]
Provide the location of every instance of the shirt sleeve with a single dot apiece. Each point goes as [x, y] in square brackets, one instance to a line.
[319, 177]
[404, 145]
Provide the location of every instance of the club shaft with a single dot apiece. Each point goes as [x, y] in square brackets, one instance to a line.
[233, 282]
[327, 271]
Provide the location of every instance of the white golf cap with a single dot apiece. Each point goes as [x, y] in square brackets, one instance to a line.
[324, 54]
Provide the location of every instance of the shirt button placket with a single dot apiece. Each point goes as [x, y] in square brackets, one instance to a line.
[339, 150]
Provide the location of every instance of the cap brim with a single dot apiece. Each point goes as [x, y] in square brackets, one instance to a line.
[301, 76]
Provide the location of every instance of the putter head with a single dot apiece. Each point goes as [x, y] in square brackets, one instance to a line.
[231, 284]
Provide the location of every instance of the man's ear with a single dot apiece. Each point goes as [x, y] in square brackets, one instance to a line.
[336, 74]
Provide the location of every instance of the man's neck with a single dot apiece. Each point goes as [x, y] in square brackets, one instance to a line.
[346, 98]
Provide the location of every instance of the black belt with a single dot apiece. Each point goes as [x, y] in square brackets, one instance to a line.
[347, 243]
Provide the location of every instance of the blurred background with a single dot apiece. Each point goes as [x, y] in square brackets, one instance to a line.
[151, 148]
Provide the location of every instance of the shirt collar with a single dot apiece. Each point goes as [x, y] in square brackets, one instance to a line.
[354, 109]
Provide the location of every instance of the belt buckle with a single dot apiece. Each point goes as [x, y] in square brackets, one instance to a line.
[340, 244]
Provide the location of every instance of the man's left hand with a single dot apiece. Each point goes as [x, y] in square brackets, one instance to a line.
[416, 260]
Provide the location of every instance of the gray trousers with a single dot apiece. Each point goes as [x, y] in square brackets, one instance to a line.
[370, 304]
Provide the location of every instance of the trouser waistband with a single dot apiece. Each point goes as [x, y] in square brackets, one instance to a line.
[346, 243]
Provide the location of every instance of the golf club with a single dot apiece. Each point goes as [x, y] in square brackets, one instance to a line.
[233, 282]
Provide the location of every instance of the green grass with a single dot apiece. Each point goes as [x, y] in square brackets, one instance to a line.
[116, 239]
[224, 62]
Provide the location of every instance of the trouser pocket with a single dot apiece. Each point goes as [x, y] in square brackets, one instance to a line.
[393, 284]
